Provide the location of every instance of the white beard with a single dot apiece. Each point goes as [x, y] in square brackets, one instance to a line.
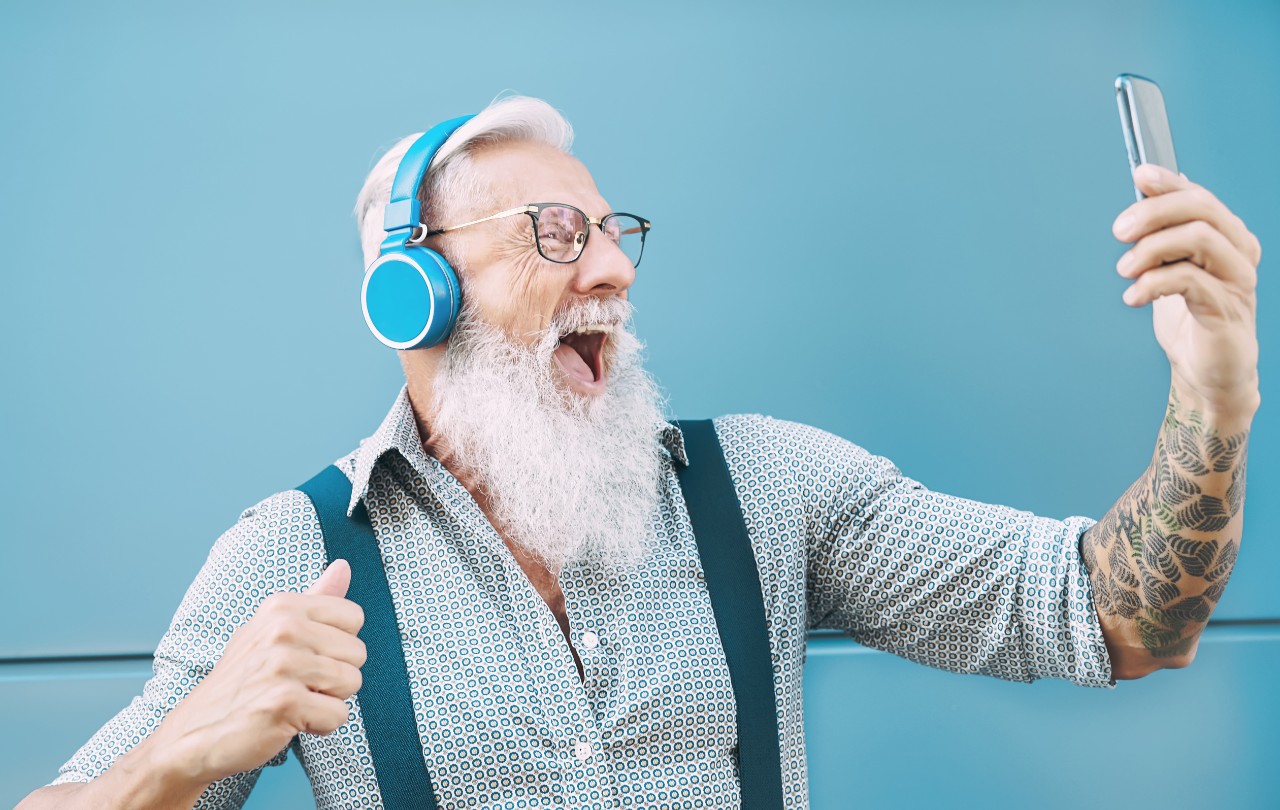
[569, 478]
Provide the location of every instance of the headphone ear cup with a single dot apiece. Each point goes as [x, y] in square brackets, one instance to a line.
[410, 298]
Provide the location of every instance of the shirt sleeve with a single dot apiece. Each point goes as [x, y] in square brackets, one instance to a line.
[956, 584]
[268, 549]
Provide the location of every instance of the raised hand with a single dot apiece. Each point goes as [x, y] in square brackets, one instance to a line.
[288, 670]
[1196, 263]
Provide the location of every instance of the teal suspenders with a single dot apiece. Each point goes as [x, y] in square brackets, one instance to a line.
[733, 583]
[385, 702]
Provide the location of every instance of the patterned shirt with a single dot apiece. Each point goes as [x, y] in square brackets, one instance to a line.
[842, 540]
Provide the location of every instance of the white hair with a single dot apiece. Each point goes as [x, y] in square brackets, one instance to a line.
[451, 186]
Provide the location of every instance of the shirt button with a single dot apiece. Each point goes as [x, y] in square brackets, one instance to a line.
[582, 750]
[590, 640]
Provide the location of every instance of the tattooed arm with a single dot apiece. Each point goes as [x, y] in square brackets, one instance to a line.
[1160, 559]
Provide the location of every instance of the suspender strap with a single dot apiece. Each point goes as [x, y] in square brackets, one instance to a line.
[734, 585]
[385, 702]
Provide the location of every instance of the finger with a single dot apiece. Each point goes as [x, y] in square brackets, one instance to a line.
[334, 581]
[336, 678]
[1198, 242]
[337, 644]
[1205, 295]
[318, 713]
[1152, 179]
[1183, 202]
[336, 612]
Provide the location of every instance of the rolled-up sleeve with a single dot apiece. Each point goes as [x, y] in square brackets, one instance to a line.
[956, 584]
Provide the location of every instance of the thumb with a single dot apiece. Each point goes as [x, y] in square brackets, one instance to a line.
[334, 581]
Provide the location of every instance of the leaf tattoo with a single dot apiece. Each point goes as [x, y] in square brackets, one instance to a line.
[1161, 557]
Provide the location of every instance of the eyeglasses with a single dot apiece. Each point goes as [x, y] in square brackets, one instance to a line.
[561, 231]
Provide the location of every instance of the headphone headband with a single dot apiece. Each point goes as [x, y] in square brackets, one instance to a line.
[404, 210]
[411, 296]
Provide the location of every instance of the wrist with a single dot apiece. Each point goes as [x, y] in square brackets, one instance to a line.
[160, 773]
[1226, 411]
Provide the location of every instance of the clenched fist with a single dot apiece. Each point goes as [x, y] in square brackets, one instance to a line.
[288, 670]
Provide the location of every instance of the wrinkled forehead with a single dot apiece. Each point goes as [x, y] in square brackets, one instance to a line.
[521, 172]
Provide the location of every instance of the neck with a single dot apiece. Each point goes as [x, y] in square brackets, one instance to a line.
[421, 397]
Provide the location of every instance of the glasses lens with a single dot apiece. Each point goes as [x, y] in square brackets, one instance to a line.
[627, 232]
[562, 232]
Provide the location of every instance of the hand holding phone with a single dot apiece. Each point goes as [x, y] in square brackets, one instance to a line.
[1194, 261]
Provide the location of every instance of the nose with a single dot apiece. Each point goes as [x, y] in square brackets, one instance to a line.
[602, 268]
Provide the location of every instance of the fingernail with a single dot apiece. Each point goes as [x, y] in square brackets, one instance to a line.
[1124, 225]
[1126, 260]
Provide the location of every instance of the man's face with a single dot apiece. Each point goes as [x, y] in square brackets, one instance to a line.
[553, 419]
[512, 287]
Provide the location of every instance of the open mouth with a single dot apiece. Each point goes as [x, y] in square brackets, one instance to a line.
[581, 356]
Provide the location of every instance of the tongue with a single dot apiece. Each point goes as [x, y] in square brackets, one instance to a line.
[573, 364]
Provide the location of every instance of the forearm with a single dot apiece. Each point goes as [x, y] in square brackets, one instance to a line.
[1159, 560]
[146, 777]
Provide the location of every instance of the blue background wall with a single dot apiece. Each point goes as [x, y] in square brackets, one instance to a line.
[888, 220]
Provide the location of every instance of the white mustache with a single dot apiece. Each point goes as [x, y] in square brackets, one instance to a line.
[613, 311]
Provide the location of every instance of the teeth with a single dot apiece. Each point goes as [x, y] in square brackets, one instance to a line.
[593, 327]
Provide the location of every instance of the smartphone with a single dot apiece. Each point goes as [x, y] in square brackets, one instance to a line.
[1145, 124]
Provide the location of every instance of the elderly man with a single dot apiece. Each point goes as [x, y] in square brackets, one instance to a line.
[558, 637]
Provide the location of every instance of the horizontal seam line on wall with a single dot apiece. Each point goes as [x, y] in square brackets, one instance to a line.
[77, 659]
[146, 657]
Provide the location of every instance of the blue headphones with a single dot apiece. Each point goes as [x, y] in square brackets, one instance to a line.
[410, 294]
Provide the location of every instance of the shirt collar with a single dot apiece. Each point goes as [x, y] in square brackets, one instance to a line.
[673, 441]
[399, 431]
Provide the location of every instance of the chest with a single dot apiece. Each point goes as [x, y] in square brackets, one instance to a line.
[547, 585]
[591, 671]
